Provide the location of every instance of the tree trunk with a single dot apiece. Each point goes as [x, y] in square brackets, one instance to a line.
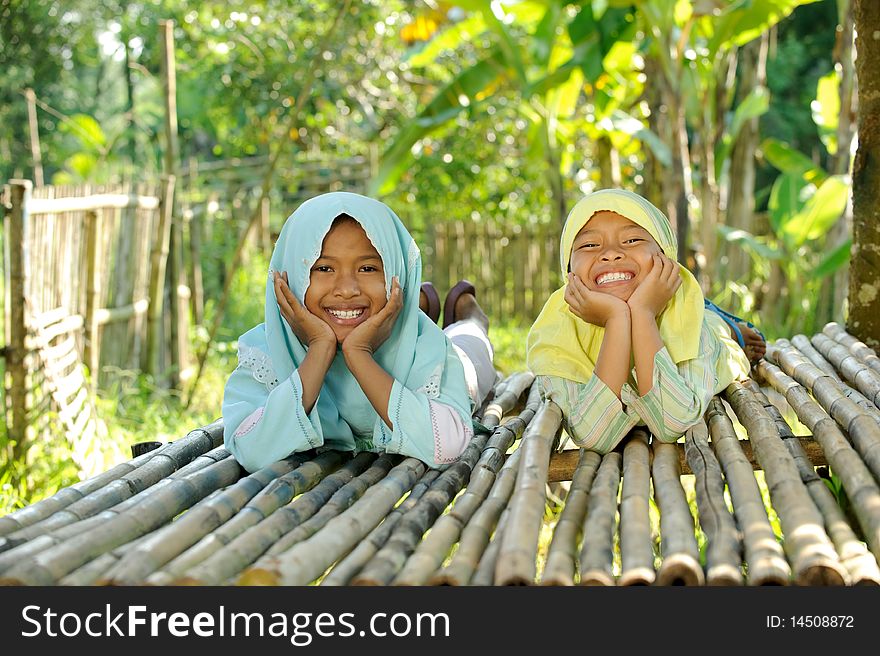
[864, 285]
[741, 181]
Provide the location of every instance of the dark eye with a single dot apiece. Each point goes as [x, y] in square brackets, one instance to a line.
[322, 268]
[587, 245]
[369, 268]
[633, 240]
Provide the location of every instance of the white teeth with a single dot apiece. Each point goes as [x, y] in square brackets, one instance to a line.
[614, 276]
[346, 314]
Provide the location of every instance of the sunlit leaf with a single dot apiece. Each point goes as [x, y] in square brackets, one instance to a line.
[826, 109]
[820, 212]
[750, 242]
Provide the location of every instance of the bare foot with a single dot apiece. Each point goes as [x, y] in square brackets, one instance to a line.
[755, 346]
[466, 307]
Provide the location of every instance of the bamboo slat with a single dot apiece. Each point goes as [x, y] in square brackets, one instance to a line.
[307, 560]
[813, 559]
[724, 545]
[861, 426]
[791, 357]
[169, 541]
[477, 534]
[596, 558]
[681, 556]
[48, 566]
[235, 545]
[341, 500]
[851, 368]
[636, 553]
[560, 567]
[348, 567]
[858, 348]
[412, 526]
[429, 554]
[860, 486]
[516, 559]
[858, 561]
[164, 461]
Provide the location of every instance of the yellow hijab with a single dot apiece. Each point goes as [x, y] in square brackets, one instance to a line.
[562, 344]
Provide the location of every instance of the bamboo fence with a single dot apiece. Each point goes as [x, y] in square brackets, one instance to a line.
[187, 514]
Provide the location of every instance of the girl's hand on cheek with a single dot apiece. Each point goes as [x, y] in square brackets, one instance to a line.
[308, 328]
[591, 306]
[372, 333]
[658, 287]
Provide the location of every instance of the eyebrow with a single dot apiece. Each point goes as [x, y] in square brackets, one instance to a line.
[596, 231]
[360, 259]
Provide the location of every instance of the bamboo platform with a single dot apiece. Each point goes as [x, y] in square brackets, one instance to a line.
[691, 513]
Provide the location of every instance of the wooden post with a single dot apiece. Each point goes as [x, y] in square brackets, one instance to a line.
[179, 328]
[15, 350]
[195, 249]
[35, 136]
[92, 349]
[154, 358]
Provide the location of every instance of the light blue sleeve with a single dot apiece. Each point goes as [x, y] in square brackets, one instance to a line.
[261, 425]
[415, 432]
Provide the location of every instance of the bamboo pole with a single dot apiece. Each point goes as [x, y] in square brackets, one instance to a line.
[89, 573]
[636, 553]
[343, 571]
[67, 531]
[164, 462]
[35, 512]
[412, 526]
[476, 535]
[92, 349]
[243, 549]
[17, 230]
[161, 240]
[169, 541]
[853, 370]
[430, 552]
[860, 486]
[863, 430]
[813, 559]
[559, 569]
[517, 557]
[858, 348]
[858, 561]
[596, 557]
[34, 132]
[342, 499]
[724, 544]
[800, 347]
[263, 505]
[484, 575]
[307, 560]
[47, 567]
[681, 556]
[764, 557]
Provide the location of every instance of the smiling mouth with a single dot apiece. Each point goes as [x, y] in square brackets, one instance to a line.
[346, 317]
[614, 277]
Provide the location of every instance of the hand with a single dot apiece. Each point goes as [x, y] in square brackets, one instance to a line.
[372, 333]
[591, 306]
[658, 287]
[306, 326]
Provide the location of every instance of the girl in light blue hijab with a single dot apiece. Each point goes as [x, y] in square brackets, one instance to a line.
[344, 358]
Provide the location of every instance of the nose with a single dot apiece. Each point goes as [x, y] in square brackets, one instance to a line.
[347, 285]
[610, 254]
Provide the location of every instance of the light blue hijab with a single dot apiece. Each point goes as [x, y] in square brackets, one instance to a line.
[417, 348]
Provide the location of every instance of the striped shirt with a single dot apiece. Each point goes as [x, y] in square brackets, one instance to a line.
[597, 420]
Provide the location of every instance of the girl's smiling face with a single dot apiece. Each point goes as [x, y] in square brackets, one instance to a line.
[347, 281]
[612, 255]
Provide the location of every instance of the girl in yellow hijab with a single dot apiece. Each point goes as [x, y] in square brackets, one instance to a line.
[626, 340]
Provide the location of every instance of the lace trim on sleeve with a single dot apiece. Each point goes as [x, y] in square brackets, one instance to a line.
[431, 388]
[259, 363]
